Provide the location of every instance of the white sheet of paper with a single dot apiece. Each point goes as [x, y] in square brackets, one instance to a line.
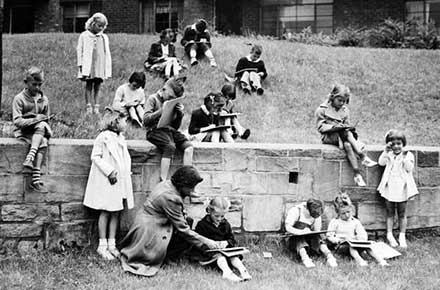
[168, 112]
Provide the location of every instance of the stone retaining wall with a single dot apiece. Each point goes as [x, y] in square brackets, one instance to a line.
[261, 180]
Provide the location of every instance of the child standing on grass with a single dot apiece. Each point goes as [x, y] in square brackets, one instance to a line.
[94, 59]
[397, 184]
[207, 117]
[30, 114]
[109, 182]
[215, 227]
[130, 97]
[230, 93]
[332, 121]
[346, 228]
[302, 219]
[251, 71]
[167, 138]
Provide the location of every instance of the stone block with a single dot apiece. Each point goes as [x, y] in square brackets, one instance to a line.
[11, 188]
[318, 178]
[328, 214]
[277, 183]
[76, 211]
[277, 164]
[347, 174]
[427, 158]
[239, 159]
[334, 154]
[144, 154]
[262, 213]
[361, 194]
[12, 157]
[26, 247]
[372, 215]
[428, 176]
[208, 158]
[306, 152]
[136, 181]
[69, 234]
[20, 230]
[69, 159]
[234, 218]
[248, 183]
[137, 168]
[271, 152]
[150, 177]
[374, 175]
[30, 212]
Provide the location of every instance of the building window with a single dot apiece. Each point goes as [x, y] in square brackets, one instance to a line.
[283, 16]
[75, 16]
[157, 15]
[424, 11]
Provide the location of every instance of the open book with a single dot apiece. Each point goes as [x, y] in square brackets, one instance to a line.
[228, 115]
[220, 127]
[304, 234]
[168, 113]
[246, 69]
[381, 248]
[359, 244]
[230, 252]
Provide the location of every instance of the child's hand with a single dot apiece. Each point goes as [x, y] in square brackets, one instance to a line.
[179, 108]
[203, 40]
[223, 244]
[213, 244]
[306, 230]
[388, 147]
[112, 177]
[41, 117]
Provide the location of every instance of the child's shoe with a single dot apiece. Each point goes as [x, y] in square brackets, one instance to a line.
[260, 91]
[331, 261]
[29, 162]
[384, 263]
[391, 240]
[359, 180]
[105, 254]
[114, 252]
[363, 263]
[245, 134]
[231, 277]
[213, 63]
[89, 109]
[194, 61]
[308, 263]
[402, 241]
[368, 162]
[38, 187]
[246, 276]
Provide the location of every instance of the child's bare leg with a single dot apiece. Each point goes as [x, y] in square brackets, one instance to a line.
[226, 136]
[96, 95]
[168, 65]
[401, 212]
[255, 80]
[390, 222]
[164, 168]
[305, 258]
[113, 225]
[88, 91]
[37, 139]
[352, 159]
[355, 255]
[381, 261]
[102, 232]
[328, 254]
[134, 116]
[188, 155]
[176, 67]
[237, 264]
[215, 136]
[222, 263]
[240, 129]
[244, 81]
[140, 112]
[355, 144]
[193, 54]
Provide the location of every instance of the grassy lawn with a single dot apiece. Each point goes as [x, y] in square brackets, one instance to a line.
[418, 268]
[391, 88]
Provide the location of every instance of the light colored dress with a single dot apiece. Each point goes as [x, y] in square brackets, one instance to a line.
[124, 94]
[397, 184]
[93, 56]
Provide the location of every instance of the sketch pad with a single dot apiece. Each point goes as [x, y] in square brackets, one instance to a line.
[221, 127]
[230, 252]
[168, 113]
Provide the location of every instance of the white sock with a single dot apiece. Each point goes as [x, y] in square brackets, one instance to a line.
[102, 243]
[111, 242]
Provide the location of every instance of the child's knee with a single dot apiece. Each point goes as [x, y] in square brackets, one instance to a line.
[347, 146]
[168, 150]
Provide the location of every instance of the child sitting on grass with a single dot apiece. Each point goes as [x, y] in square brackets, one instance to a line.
[130, 97]
[332, 121]
[197, 42]
[215, 227]
[397, 185]
[207, 117]
[251, 71]
[30, 114]
[347, 228]
[302, 219]
[167, 138]
[229, 91]
[109, 182]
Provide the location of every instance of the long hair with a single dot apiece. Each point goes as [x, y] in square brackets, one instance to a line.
[111, 120]
[339, 90]
[96, 17]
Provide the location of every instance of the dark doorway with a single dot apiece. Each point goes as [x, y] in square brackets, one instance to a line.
[18, 17]
[228, 16]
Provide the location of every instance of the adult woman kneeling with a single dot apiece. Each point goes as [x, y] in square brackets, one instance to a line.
[160, 227]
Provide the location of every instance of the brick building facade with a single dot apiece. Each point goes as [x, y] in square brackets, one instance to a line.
[271, 17]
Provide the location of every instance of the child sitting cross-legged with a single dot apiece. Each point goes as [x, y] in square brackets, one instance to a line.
[302, 219]
[214, 226]
[251, 71]
[347, 228]
[206, 118]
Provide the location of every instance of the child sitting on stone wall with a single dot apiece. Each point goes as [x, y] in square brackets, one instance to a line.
[30, 114]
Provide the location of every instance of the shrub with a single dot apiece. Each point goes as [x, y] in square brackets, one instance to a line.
[308, 37]
[350, 36]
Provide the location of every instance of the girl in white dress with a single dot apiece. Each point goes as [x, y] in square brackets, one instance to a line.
[397, 184]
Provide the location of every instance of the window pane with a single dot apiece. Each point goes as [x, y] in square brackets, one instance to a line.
[80, 24]
[324, 1]
[68, 25]
[325, 10]
[82, 10]
[415, 10]
[68, 11]
[326, 21]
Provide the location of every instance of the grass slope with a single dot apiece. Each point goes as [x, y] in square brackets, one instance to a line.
[391, 88]
[418, 268]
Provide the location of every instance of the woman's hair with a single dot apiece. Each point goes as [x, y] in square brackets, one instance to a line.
[257, 48]
[228, 90]
[339, 90]
[394, 134]
[110, 120]
[96, 17]
[201, 25]
[217, 204]
[186, 176]
[138, 77]
[313, 203]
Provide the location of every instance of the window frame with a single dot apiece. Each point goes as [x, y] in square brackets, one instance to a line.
[75, 16]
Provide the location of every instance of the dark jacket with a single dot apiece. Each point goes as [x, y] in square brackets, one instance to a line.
[244, 63]
[223, 232]
[200, 119]
[190, 33]
[156, 52]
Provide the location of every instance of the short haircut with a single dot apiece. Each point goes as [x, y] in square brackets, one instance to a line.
[257, 48]
[186, 176]
[168, 32]
[313, 203]
[176, 84]
[229, 91]
[34, 74]
[96, 17]
[213, 98]
[394, 134]
[138, 77]
[218, 203]
[201, 25]
[339, 90]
